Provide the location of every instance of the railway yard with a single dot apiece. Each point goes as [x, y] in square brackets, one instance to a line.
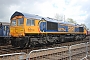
[78, 50]
[33, 37]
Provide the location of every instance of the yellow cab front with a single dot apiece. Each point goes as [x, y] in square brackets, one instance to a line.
[17, 26]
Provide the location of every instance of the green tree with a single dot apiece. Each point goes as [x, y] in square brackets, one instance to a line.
[59, 17]
[84, 26]
[71, 20]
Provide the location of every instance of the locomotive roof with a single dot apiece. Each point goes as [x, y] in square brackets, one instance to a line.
[26, 15]
[38, 17]
[33, 16]
[5, 23]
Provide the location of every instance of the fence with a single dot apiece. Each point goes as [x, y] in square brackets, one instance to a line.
[48, 53]
[78, 51]
[13, 56]
[74, 52]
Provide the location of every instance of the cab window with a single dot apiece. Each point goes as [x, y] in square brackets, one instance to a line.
[13, 23]
[30, 22]
[20, 21]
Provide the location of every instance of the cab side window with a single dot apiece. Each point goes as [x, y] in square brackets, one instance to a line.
[30, 22]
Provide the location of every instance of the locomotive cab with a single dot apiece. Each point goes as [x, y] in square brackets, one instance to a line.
[22, 25]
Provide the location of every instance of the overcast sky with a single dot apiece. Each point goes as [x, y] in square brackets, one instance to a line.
[78, 10]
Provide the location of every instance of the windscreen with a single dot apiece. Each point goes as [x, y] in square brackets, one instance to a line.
[20, 21]
[13, 23]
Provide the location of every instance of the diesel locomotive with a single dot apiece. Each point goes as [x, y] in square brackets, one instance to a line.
[31, 30]
[4, 33]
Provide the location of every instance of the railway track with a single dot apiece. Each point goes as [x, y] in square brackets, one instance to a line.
[74, 52]
[62, 54]
[9, 49]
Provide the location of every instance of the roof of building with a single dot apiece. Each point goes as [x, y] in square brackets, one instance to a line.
[5, 23]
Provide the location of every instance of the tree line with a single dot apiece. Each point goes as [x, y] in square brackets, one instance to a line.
[62, 18]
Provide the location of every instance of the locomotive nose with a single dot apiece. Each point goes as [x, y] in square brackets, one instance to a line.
[17, 31]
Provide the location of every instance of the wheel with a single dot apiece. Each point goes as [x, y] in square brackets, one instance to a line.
[14, 43]
[19, 42]
[24, 43]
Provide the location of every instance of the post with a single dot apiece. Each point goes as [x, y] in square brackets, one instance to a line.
[89, 39]
[20, 57]
[86, 49]
[70, 52]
